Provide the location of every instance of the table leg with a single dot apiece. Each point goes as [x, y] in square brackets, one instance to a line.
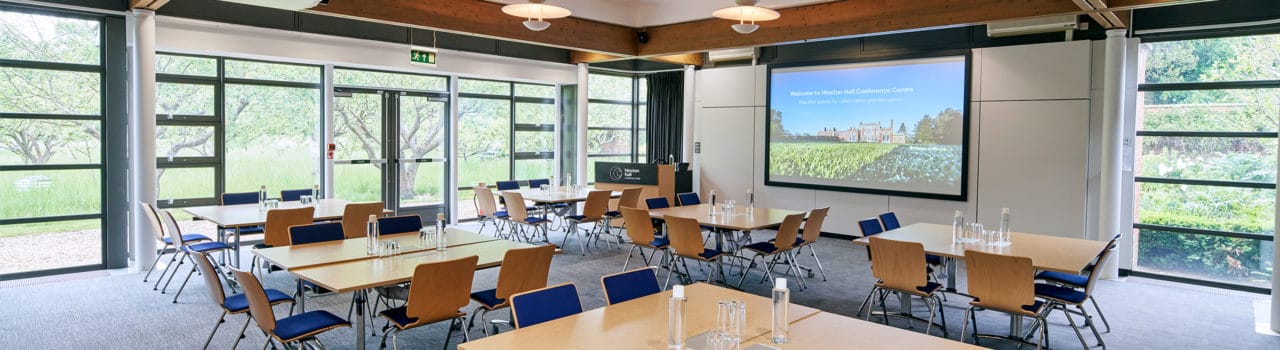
[951, 274]
[222, 237]
[236, 247]
[360, 300]
[302, 297]
[1015, 326]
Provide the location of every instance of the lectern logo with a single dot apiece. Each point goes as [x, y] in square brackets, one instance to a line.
[615, 173]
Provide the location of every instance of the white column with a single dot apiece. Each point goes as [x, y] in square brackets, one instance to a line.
[686, 154]
[1275, 281]
[581, 150]
[142, 134]
[453, 159]
[326, 135]
[1110, 204]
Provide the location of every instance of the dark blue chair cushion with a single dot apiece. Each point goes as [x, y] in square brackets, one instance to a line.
[626, 286]
[188, 237]
[500, 214]
[576, 217]
[690, 198]
[1071, 295]
[399, 224]
[657, 203]
[545, 305]
[762, 247]
[206, 247]
[298, 325]
[315, 233]
[660, 243]
[534, 220]
[251, 230]
[508, 185]
[890, 221]
[294, 195]
[870, 227]
[238, 302]
[1034, 307]
[708, 253]
[932, 259]
[929, 287]
[239, 198]
[1064, 278]
[536, 183]
[613, 213]
[398, 316]
[488, 298]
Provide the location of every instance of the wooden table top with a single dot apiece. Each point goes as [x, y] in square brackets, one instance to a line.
[559, 194]
[741, 218]
[314, 254]
[242, 215]
[1069, 255]
[637, 324]
[368, 273]
[831, 331]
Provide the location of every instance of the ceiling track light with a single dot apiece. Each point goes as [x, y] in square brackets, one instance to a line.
[535, 13]
[747, 14]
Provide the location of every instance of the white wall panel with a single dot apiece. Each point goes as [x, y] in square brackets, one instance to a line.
[726, 161]
[727, 87]
[1034, 156]
[1036, 72]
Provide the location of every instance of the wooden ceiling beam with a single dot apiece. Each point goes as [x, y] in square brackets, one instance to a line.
[476, 17]
[147, 4]
[576, 57]
[1092, 6]
[695, 59]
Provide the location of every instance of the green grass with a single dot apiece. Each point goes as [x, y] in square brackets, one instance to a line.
[823, 160]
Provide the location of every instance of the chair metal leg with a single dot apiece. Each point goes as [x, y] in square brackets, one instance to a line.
[928, 328]
[239, 336]
[159, 253]
[1100, 315]
[942, 313]
[221, 318]
[167, 266]
[449, 334]
[174, 273]
[629, 252]
[864, 304]
[184, 284]
[969, 316]
[817, 262]
[1070, 320]
[1088, 320]
[747, 269]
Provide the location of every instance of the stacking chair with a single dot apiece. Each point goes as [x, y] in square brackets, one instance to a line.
[1060, 296]
[187, 248]
[507, 186]
[437, 293]
[1080, 281]
[657, 203]
[276, 230]
[400, 224]
[890, 221]
[627, 285]
[356, 215]
[537, 183]
[687, 243]
[809, 235]
[779, 248]
[1005, 284]
[523, 269]
[519, 217]
[630, 198]
[153, 216]
[639, 227]
[315, 233]
[546, 304]
[487, 210]
[870, 227]
[294, 195]
[299, 328]
[236, 198]
[899, 268]
[592, 212]
[233, 304]
[688, 198]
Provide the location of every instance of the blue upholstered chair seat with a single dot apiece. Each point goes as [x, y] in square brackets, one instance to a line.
[1064, 278]
[488, 298]
[762, 247]
[189, 237]
[501, 214]
[308, 322]
[576, 217]
[238, 303]
[1070, 295]
[630, 285]
[929, 288]
[535, 221]
[708, 253]
[932, 259]
[613, 213]
[397, 315]
[660, 243]
[206, 247]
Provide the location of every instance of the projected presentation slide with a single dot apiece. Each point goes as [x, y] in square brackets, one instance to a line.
[891, 127]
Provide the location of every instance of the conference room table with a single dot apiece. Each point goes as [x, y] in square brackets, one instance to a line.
[1047, 253]
[240, 216]
[559, 195]
[640, 323]
[352, 270]
[826, 330]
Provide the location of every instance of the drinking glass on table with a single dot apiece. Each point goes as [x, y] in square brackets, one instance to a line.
[972, 232]
[545, 188]
[271, 204]
[729, 205]
[306, 200]
[731, 316]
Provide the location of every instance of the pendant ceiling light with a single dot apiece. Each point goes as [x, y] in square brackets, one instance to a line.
[535, 12]
[746, 13]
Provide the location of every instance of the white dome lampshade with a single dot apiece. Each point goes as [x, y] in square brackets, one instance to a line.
[745, 28]
[536, 26]
[535, 11]
[747, 14]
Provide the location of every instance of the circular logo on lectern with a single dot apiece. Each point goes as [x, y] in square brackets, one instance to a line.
[615, 173]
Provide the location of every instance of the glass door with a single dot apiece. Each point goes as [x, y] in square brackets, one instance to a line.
[420, 157]
[358, 132]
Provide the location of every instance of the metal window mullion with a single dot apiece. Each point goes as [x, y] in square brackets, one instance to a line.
[47, 167]
[1209, 134]
[186, 79]
[52, 218]
[1204, 232]
[56, 66]
[44, 116]
[273, 83]
[220, 130]
[1211, 183]
[1209, 85]
[511, 130]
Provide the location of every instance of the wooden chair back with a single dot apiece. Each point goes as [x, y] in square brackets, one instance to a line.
[356, 215]
[638, 224]
[259, 306]
[440, 288]
[524, 269]
[154, 217]
[813, 226]
[597, 204]
[172, 229]
[1096, 271]
[788, 231]
[899, 265]
[516, 210]
[1000, 282]
[686, 236]
[485, 204]
[210, 278]
[630, 197]
[276, 232]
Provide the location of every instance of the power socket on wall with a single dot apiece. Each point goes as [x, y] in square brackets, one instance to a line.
[697, 147]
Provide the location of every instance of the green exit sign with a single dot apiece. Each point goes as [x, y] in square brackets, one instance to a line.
[422, 56]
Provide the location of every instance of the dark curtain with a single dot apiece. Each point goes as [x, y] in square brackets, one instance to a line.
[665, 116]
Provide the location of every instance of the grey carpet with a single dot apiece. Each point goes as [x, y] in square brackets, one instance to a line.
[121, 312]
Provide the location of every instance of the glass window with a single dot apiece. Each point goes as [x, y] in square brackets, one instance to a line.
[184, 183]
[186, 65]
[609, 87]
[535, 113]
[539, 91]
[374, 79]
[272, 71]
[184, 141]
[44, 91]
[38, 193]
[484, 133]
[534, 168]
[280, 119]
[185, 99]
[485, 87]
[34, 37]
[49, 141]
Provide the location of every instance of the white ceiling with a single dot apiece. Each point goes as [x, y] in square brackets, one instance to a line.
[648, 13]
